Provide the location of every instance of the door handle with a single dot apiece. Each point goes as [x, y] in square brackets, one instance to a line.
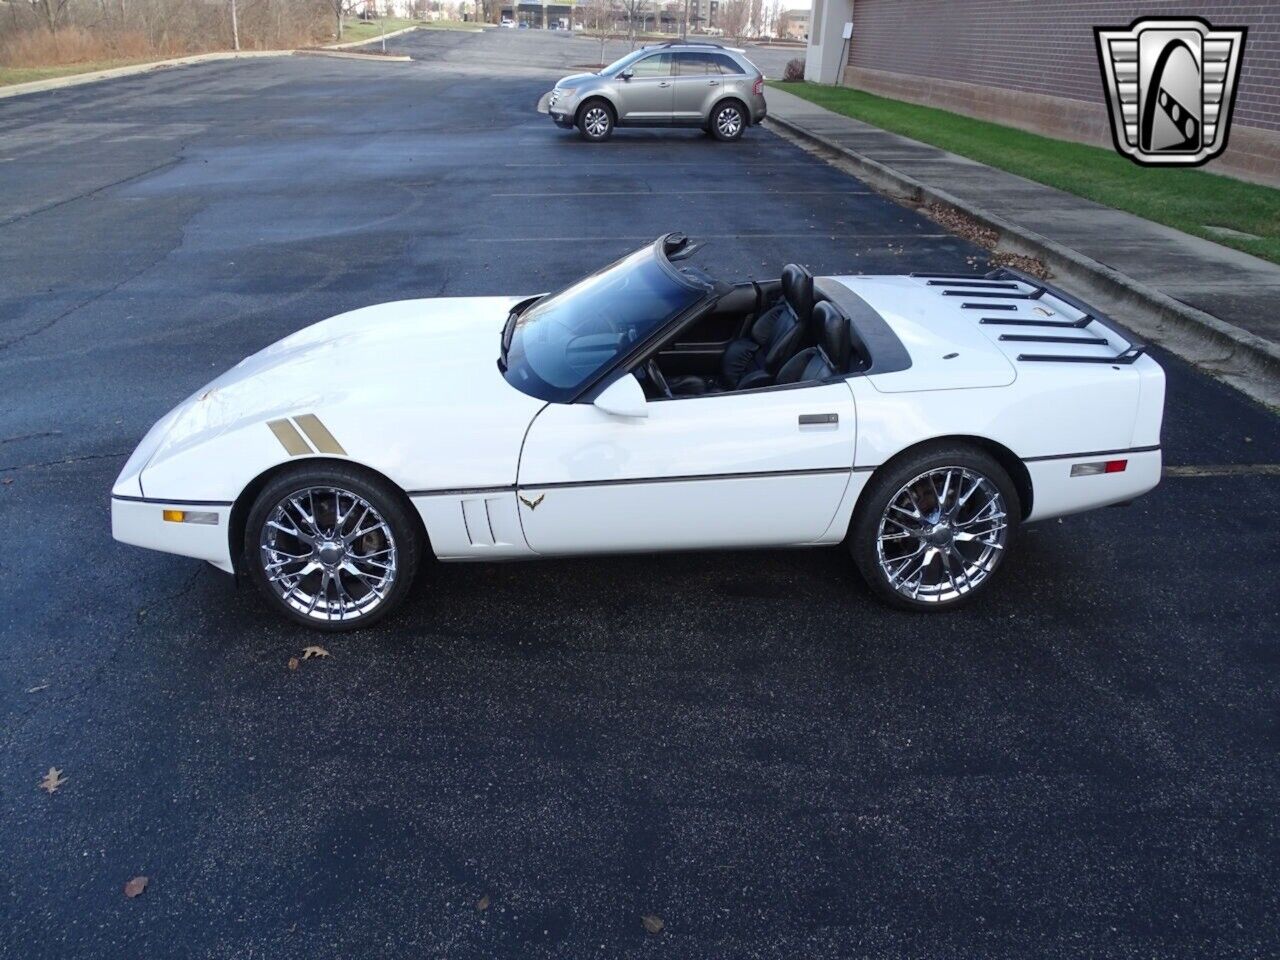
[714, 83]
[664, 83]
[809, 419]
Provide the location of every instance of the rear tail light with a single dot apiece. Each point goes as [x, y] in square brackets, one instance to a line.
[758, 87]
[1097, 467]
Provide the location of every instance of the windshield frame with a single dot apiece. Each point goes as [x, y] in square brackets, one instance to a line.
[624, 61]
[705, 293]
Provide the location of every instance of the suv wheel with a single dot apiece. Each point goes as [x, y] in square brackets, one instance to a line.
[728, 121]
[595, 121]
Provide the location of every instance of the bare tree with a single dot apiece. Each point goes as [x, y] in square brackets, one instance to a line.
[340, 10]
[599, 15]
[734, 15]
[52, 13]
[633, 9]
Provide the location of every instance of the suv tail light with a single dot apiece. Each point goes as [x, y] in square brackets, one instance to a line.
[758, 87]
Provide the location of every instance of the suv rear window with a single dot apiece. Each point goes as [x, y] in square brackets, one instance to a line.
[696, 65]
[726, 63]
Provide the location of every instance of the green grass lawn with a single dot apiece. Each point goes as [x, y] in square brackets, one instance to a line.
[368, 29]
[1189, 200]
[11, 75]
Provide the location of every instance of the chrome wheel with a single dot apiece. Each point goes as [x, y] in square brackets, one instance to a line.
[942, 534]
[729, 122]
[596, 121]
[328, 554]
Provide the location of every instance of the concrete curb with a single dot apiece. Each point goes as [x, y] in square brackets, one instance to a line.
[1249, 354]
[75, 79]
[353, 55]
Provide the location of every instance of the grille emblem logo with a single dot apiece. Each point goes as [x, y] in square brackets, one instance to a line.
[532, 504]
[1170, 85]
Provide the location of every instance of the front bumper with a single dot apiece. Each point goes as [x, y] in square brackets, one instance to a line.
[142, 523]
[559, 105]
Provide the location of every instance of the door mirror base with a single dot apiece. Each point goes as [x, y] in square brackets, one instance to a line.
[623, 398]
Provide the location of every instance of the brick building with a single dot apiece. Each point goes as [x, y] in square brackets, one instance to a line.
[1033, 63]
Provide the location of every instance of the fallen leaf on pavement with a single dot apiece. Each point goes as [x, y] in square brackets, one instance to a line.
[652, 924]
[483, 903]
[52, 780]
[135, 887]
[293, 663]
[309, 652]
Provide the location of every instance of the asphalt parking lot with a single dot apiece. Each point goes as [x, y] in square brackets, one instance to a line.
[743, 744]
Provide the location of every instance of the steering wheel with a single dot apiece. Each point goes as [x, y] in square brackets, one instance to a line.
[658, 380]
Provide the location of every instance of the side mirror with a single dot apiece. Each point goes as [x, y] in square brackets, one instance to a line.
[623, 398]
[626, 75]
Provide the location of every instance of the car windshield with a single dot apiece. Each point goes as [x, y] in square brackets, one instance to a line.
[615, 68]
[563, 341]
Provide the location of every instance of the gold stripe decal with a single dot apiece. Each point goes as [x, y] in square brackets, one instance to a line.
[289, 438]
[319, 434]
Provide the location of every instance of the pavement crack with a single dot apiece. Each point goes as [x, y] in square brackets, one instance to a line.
[1225, 470]
[89, 193]
[57, 463]
[30, 436]
[42, 327]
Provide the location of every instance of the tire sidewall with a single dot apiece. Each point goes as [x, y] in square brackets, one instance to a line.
[582, 120]
[864, 529]
[715, 116]
[384, 498]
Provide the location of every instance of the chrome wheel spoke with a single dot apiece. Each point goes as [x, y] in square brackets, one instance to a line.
[942, 534]
[309, 558]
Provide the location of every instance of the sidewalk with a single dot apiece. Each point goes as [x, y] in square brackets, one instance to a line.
[1232, 297]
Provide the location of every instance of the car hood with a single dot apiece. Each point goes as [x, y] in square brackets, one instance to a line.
[575, 80]
[401, 386]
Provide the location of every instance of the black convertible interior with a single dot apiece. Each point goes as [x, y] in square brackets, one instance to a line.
[757, 335]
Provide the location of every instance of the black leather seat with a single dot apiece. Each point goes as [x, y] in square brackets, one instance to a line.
[835, 352]
[776, 335]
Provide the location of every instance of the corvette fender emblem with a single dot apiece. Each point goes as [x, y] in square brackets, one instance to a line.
[532, 504]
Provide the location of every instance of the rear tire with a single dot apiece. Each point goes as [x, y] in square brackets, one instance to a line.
[596, 121]
[332, 547]
[728, 121]
[932, 529]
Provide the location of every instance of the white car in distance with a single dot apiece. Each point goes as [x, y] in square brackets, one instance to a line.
[918, 420]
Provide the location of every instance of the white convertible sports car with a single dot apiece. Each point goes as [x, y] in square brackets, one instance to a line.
[918, 419]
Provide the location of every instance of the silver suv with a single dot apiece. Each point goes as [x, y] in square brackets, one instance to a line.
[673, 84]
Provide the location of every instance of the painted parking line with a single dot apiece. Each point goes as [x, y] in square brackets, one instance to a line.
[696, 193]
[1226, 470]
[812, 235]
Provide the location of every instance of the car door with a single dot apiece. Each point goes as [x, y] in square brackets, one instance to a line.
[645, 97]
[757, 468]
[697, 78]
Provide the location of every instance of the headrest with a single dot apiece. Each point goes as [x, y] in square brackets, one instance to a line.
[797, 288]
[833, 334]
[784, 341]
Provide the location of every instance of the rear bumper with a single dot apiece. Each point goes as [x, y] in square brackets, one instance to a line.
[1055, 493]
[141, 523]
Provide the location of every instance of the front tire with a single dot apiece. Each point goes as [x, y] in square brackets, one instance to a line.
[728, 120]
[595, 121]
[332, 547]
[932, 530]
